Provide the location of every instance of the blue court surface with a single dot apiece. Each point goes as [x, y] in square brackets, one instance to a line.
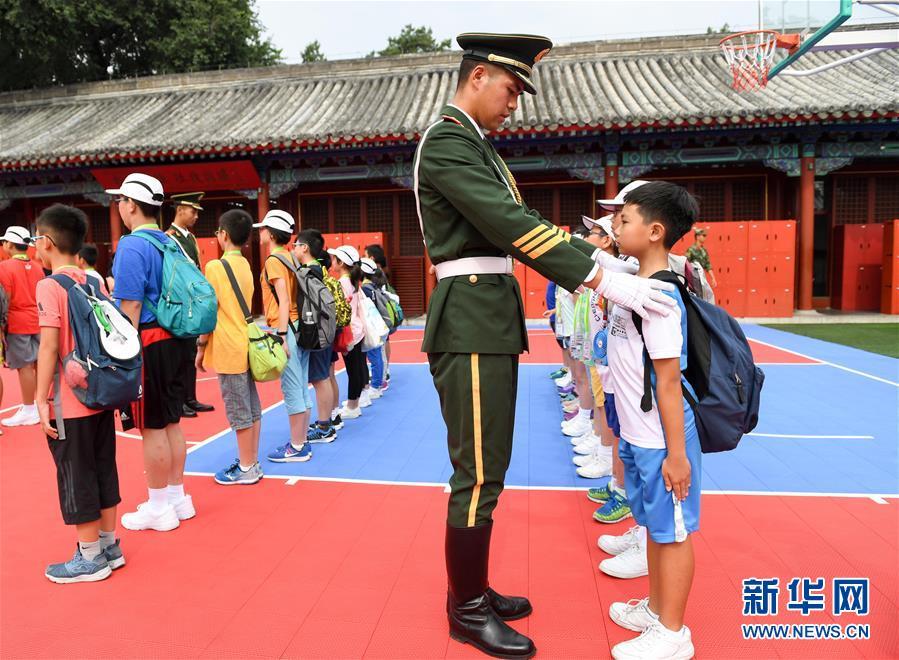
[828, 425]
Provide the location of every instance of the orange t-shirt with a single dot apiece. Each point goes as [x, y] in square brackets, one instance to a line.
[275, 269]
[19, 277]
[53, 312]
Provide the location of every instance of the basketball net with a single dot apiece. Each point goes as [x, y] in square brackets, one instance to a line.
[750, 54]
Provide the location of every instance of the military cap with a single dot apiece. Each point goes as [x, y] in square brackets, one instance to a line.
[518, 53]
[700, 231]
[188, 199]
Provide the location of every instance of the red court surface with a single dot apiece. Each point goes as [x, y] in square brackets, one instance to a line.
[318, 569]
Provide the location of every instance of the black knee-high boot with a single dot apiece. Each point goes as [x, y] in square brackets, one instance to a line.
[472, 617]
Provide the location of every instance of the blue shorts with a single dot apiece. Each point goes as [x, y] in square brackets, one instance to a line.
[612, 415]
[295, 378]
[320, 364]
[653, 506]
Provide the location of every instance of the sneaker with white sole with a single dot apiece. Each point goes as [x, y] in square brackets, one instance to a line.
[564, 381]
[79, 569]
[584, 459]
[351, 413]
[601, 494]
[374, 392]
[163, 520]
[615, 509]
[184, 507]
[337, 423]
[114, 556]
[600, 467]
[628, 565]
[364, 399]
[287, 453]
[23, 417]
[577, 426]
[588, 446]
[578, 439]
[656, 643]
[615, 545]
[233, 475]
[634, 614]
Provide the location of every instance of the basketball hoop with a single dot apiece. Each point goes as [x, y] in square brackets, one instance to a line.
[749, 56]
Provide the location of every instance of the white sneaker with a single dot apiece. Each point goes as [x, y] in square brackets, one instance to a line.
[564, 381]
[601, 466]
[374, 393]
[184, 507]
[628, 565]
[364, 399]
[656, 643]
[350, 413]
[588, 445]
[582, 460]
[144, 518]
[577, 426]
[578, 439]
[22, 418]
[615, 545]
[634, 614]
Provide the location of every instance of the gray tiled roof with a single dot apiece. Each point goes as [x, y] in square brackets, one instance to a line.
[597, 86]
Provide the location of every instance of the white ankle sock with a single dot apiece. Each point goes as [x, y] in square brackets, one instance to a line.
[106, 539]
[90, 551]
[30, 410]
[158, 499]
[175, 492]
[243, 468]
[583, 413]
[605, 450]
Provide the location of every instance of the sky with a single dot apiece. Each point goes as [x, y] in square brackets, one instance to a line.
[349, 29]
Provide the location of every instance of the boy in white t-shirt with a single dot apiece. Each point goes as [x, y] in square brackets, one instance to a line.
[660, 447]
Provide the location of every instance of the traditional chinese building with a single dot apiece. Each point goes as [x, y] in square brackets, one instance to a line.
[333, 143]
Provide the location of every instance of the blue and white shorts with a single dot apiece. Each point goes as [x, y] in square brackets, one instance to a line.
[667, 520]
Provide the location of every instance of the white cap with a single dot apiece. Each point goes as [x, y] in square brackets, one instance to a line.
[277, 219]
[16, 234]
[346, 253]
[142, 187]
[369, 267]
[618, 201]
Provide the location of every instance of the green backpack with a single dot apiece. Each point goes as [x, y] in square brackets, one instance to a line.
[266, 351]
[187, 306]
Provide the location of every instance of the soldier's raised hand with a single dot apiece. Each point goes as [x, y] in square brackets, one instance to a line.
[639, 294]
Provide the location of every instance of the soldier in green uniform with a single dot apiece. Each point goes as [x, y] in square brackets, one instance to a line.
[474, 221]
[187, 212]
[697, 254]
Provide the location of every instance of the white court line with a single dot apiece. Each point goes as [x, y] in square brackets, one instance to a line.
[216, 436]
[203, 380]
[134, 436]
[812, 437]
[831, 364]
[290, 480]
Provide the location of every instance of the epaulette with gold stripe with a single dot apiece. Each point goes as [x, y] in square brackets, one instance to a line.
[452, 119]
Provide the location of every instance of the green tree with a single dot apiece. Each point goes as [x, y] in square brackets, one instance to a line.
[412, 40]
[57, 42]
[313, 52]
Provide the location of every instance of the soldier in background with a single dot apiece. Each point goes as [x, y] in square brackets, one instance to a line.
[187, 212]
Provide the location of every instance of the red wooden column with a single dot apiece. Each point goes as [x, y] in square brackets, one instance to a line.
[115, 224]
[261, 209]
[611, 178]
[806, 225]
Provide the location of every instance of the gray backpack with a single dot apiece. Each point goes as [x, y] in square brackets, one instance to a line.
[318, 312]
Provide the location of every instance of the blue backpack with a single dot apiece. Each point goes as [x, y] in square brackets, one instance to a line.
[187, 305]
[104, 369]
[720, 369]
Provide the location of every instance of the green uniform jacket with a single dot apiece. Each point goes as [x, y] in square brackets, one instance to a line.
[188, 244]
[469, 207]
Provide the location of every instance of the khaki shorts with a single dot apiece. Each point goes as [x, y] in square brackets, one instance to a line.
[599, 397]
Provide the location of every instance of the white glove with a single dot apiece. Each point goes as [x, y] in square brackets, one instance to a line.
[639, 294]
[609, 263]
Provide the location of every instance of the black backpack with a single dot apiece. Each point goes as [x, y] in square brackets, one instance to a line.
[720, 369]
[316, 307]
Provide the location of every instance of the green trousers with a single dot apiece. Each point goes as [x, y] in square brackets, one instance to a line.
[477, 399]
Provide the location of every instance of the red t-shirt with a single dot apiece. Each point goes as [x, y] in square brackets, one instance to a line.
[19, 277]
[53, 311]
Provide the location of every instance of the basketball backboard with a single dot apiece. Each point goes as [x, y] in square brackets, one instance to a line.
[789, 29]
